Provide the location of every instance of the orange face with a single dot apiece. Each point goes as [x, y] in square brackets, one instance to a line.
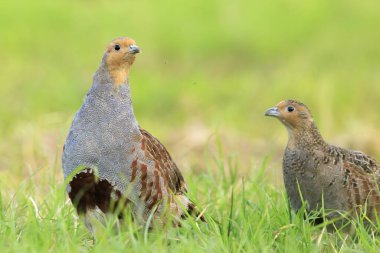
[120, 55]
[291, 113]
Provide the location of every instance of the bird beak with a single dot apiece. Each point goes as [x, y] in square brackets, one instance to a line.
[133, 49]
[272, 112]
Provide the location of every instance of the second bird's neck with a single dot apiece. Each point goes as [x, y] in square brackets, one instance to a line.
[309, 138]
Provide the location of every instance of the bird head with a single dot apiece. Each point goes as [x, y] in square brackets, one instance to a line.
[119, 56]
[293, 114]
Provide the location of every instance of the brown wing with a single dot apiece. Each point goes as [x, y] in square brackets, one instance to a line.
[155, 150]
[362, 187]
[361, 178]
[367, 163]
[361, 161]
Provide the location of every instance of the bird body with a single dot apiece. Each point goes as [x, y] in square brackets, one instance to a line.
[121, 163]
[324, 175]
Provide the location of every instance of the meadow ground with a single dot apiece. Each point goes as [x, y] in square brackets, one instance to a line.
[207, 73]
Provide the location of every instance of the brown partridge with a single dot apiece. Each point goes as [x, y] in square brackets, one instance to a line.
[114, 164]
[340, 180]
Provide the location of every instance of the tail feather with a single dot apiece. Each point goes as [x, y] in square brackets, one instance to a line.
[192, 210]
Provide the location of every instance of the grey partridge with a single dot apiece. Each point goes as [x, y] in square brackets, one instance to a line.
[110, 162]
[340, 180]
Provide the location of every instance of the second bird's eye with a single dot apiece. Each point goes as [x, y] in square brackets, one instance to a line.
[117, 47]
[290, 108]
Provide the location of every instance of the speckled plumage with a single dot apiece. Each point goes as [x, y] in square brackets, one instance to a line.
[121, 162]
[346, 179]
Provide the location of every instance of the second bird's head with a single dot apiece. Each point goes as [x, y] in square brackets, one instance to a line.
[293, 114]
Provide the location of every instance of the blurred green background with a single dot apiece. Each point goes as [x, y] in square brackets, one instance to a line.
[208, 71]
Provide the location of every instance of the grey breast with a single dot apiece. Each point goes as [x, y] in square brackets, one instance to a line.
[101, 133]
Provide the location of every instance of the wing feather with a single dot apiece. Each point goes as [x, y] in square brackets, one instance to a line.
[164, 162]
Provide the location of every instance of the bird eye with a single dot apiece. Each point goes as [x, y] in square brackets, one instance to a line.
[290, 108]
[117, 47]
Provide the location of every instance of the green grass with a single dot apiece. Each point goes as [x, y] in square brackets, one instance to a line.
[244, 215]
[208, 71]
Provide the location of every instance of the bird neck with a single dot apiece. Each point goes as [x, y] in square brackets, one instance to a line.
[115, 100]
[119, 73]
[305, 137]
[112, 73]
[102, 75]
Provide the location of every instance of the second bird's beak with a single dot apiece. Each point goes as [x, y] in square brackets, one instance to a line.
[272, 112]
[133, 49]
